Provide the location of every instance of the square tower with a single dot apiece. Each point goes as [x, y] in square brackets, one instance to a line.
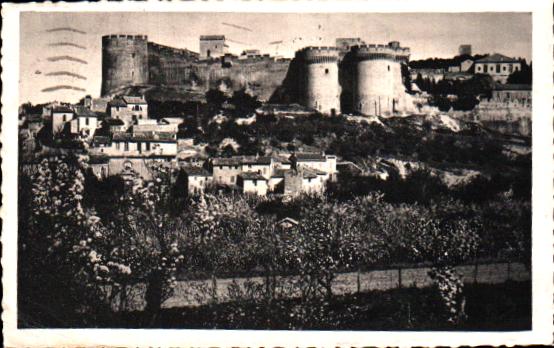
[212, 46]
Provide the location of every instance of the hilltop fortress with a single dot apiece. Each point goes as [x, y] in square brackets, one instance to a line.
[352, 77]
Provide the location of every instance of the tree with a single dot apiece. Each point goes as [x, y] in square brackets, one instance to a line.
[444, 238]
[55, 244]
[523, 76]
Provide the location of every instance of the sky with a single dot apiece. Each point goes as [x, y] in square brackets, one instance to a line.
[426, 34]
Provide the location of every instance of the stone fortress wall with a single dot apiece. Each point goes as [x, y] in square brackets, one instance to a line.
[124, 61]
[378, 86]
[313, 78]
[321, 79]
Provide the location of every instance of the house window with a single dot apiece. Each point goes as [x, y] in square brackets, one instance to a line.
[147, 146]
[491, 68]
[133, 55]
[497, 68]
[64, 118]
[388, 67]
[139, 147]
[232, 178]
[86, 121]
[479, 68]
[326, 71]
[504, 68]
[117, 146]
[126, 148]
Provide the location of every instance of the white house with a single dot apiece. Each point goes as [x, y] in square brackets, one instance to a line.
[197, 179]
[252, 183]
[498, 66]
[61, 115]
[127, 144]
[85, 122]
[128, 108]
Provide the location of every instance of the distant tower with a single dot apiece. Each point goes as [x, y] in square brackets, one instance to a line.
[464, 49]
[378, 87]
[124, 61]
[321, 79]
[212, 46]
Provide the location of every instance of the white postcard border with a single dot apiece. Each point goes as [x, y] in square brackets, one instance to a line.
[543, 193]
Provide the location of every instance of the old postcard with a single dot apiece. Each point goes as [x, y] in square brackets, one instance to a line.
[303, 173]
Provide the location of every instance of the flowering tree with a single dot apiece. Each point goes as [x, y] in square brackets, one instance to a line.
[55, 240]
[444, 239]
[144, 236]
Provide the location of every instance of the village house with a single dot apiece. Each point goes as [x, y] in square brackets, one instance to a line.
[128, 109]
[85, 122]
[103, 166]
[282, 174]
[226, 170]
[498, 66]
[513, 94]
[60, 116]
[197, 179]
[146, 144]
[252, 183]
[154, 126]
[324, 163]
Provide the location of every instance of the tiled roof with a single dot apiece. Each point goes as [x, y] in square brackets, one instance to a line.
[84, 112]
[309, 157]
[100, 139]
[497, 58]
[239, 160]
[196, 171]
[134, 100]
[145, 136]
[117, 102]
[252, 176]
[62, 109]
[307, 173]
[212, 37]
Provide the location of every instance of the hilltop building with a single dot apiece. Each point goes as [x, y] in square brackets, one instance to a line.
[464, 50]
[213, 46]
[498, 66]
[128, 109]
[353, 77]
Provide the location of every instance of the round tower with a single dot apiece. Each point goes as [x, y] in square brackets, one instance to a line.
[321, 79]
[378, 87]
[124, 61]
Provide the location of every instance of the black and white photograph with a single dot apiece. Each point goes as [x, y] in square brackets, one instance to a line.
[242, 170]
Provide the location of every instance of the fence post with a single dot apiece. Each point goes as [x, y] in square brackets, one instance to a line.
[214, 288]
[400, 277]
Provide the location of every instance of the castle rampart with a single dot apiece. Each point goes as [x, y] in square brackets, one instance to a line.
[321, 79]
[370, 75]
[124, 61]
[378, 87]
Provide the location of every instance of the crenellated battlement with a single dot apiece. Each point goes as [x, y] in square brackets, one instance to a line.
[124, 36]
[320, 54]
[372, 51]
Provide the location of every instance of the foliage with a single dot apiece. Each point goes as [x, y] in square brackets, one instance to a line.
[522, 76]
